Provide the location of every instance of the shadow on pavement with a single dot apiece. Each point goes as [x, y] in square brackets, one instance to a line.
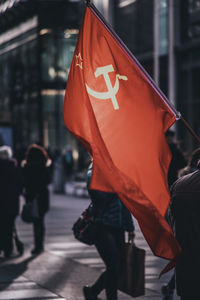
[61, 275]
[10, 271]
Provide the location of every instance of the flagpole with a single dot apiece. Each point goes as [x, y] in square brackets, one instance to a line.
[190, 129]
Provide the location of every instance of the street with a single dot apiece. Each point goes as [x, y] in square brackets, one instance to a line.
[66, 264]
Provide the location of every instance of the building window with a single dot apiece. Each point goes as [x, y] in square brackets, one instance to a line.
[194, 6]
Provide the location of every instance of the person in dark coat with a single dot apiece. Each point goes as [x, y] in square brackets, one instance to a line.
[112, 220]
[178, 160]
[36, 170]
[68, 162]
[185, 221]
[169, 288]
[10, 189]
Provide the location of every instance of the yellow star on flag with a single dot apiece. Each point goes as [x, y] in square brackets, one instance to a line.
[79, 61]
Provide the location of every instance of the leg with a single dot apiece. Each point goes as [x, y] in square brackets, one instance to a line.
[171, 282]
[8, 235]
[110, 246]
[168, 290]
[39, 231]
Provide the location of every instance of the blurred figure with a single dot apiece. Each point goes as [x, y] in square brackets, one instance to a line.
[68, 162]
[36, 170]
[178, 160]
[83, 158]
[112, 220]
[192, 163]
[19, 152]
[10, 190]
[184, 212]
[58, 173]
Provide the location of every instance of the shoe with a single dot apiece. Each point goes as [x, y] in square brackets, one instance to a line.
[37, 251]
[167, 293]
[87, 292]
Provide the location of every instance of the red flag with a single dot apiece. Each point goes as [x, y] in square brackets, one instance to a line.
[114, 109]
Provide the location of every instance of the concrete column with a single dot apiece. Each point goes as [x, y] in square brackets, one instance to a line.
[171, 56]
[156, 42]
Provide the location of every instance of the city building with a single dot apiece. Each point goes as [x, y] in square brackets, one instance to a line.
[37, 41]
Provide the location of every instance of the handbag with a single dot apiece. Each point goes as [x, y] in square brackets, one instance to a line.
[132, 280]
[30, 211]
[84, 229]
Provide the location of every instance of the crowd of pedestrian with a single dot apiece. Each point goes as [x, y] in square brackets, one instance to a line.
[30, 179]
[26, 175]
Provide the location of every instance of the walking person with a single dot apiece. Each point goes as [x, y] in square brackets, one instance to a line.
[10, 189]
[112, 220]
[178, 162]
[168, 289]
[36, 170]
[184, 212]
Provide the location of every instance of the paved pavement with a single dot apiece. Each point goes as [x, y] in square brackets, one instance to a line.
[66, 264]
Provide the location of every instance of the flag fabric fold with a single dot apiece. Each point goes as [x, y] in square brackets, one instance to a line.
[112, 107]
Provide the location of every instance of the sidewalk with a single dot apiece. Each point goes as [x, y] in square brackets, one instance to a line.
[65, 265]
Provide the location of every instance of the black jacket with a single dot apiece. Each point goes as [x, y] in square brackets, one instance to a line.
[36, 180]
[185, 220]
[108, 208]
[10, 187]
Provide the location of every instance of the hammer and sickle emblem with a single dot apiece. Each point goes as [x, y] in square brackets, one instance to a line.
[112, 91]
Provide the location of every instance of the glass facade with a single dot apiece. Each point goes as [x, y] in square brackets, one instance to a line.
[194, 6]
[190, 19]
[4, 91]
[34, 66]
[131, 27]
[19, 85]
[189, 95]
[127, 29]
[163, 26]
[57, 48]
